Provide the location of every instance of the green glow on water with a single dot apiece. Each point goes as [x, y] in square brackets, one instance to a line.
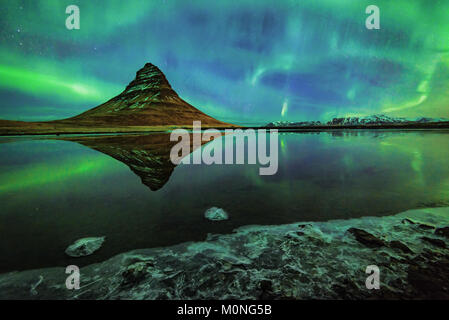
[43, 175]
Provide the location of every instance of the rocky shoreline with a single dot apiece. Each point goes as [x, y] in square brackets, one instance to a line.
[316, 260]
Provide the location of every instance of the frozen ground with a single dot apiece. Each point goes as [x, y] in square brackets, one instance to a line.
[320, 260]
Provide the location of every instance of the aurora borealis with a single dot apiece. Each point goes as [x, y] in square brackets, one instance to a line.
[247, 62]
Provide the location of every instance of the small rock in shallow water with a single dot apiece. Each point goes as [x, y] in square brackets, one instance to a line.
[425, 226]
[216, 214]
[84, 247]
[419, 224]
[408, 221]
[366, 238]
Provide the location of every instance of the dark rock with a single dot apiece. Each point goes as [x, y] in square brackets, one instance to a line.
[395, 244]
[294, 235]
[366, 238]
[419, 224]
[435, 242]
[408, 221]
[442, 232]
[266, 285]
[346, 289]
[426, 226]
[430, 282]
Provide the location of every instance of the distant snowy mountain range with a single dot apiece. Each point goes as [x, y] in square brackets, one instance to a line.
[379, 119]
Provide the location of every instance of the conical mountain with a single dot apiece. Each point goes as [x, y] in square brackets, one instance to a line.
[148, 100]
[147, 104]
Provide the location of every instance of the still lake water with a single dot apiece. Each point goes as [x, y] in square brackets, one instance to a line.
[55, 191]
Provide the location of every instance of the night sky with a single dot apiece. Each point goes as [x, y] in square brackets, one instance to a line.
[247, 62]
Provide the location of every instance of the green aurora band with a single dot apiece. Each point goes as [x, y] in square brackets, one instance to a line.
[246, 62]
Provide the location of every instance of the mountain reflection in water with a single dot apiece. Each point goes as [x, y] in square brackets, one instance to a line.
[148, 156]
[57, 190]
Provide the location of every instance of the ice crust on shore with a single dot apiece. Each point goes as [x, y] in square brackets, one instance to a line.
[319, 260]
